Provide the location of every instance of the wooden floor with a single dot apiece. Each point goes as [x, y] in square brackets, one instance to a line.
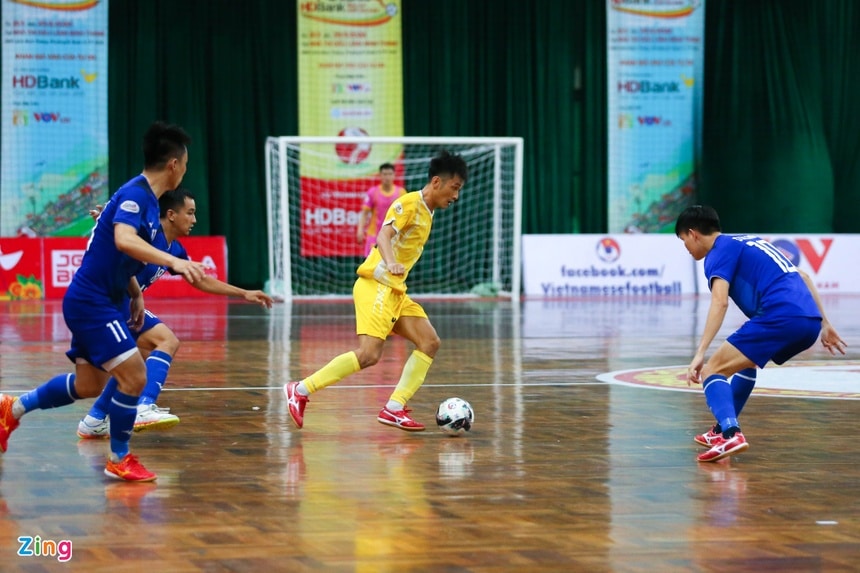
[562, 472]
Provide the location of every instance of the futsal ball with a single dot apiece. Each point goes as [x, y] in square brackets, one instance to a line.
[455, 416]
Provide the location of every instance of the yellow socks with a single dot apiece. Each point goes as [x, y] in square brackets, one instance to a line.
[339, 368]
[412, 378]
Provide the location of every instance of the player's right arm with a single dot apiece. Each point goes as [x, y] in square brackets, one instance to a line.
[136, 309]
[127, 241]
[716, 314]
[383, 243]
[361, 228]
[829, 337]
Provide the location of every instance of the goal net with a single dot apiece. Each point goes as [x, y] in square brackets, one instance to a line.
[315, 189]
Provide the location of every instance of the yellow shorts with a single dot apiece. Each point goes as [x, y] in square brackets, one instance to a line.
[377, 308]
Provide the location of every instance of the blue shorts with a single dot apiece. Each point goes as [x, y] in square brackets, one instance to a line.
[100, 332]
[762, 339]
[149, 321]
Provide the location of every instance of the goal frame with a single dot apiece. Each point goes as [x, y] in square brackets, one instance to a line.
[284, 289]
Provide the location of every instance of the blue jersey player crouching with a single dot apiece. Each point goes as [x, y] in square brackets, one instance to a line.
[93, 307]
[785, 318]
[155, 339]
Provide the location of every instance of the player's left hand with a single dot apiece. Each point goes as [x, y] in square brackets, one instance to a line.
[94, 213]
[831, 340]
[135, 322]
[259, 297]
[694, 370]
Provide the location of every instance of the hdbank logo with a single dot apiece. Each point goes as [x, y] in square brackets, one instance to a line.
[348, 13]
[43, 82]
[650, 9]
[62, 5]
[608, 250]
[646, 86]
[798, 250]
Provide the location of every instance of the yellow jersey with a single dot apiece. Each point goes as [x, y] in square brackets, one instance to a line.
[412, 219]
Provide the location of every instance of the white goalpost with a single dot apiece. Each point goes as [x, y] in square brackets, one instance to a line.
[315, 187]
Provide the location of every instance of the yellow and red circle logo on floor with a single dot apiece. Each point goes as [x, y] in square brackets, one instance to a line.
[832, 379]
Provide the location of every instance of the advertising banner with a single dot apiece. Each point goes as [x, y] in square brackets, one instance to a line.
[21, 269]
[829, 260]
[43, 268]
[54, 152]
[655, 71]
[558, 266]
[350, 85]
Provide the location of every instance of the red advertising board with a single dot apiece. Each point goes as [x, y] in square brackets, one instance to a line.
[43, 267]
[211, 251]
[329, 216]
[21, 275]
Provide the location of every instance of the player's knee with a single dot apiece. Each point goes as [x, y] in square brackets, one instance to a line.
[170, 344]
[431, 345]
[367, 358]
[87, 389]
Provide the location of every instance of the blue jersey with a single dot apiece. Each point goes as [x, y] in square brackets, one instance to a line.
[152, 273]
[105, 271]
[762, 281]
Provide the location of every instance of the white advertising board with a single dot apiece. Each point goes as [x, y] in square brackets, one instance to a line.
[559, 266]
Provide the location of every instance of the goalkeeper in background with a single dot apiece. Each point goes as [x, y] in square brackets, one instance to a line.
[381, 303]
[377, 200]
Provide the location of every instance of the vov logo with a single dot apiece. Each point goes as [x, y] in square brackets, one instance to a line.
[799, 249]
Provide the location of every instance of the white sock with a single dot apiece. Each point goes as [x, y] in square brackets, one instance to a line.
[393, 406]
[18, 409]
[302, 390]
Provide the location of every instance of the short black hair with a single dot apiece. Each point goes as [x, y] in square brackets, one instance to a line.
[163, 142]
[386, 166]
[702, 218]
[173, 200]
[447, 163]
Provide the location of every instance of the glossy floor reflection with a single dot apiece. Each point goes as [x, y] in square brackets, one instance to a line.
[562, 472]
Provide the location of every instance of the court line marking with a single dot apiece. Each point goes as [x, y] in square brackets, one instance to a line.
[360, 386]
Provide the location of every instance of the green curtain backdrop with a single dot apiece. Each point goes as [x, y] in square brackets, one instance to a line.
[226, 71]
[781, 143]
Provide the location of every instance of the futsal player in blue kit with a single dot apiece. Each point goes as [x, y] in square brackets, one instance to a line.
[102, 344]
[785, 318]
[155, 339]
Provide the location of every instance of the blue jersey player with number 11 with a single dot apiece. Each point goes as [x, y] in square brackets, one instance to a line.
[785, 318]
[94, 305]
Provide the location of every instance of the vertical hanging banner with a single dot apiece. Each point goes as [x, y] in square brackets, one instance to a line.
[350, 85]
[54, 154]
[655, 72]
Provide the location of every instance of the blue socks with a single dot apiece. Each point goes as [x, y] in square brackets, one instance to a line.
[100, 407]
[157, 365]
[742, 386]
[719, 395]
[122, 412]
[56, 392]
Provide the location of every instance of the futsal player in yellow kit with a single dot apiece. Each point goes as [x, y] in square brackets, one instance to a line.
[381, 303]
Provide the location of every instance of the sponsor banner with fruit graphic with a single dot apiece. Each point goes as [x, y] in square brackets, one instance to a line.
[40, 268]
